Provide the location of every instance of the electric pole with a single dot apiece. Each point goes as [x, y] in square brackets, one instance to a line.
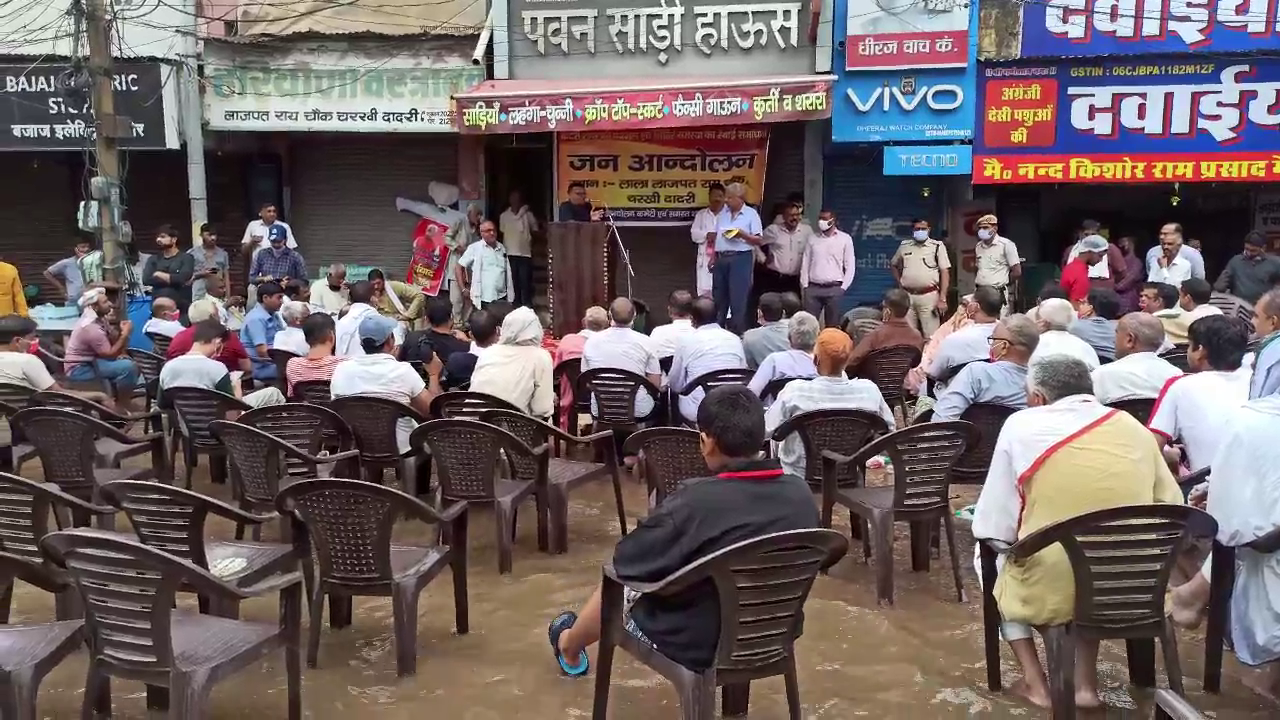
[108, 128]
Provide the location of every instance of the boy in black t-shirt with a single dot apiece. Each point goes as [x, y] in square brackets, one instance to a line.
[747, 498]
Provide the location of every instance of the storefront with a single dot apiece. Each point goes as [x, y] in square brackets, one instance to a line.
[647, 107]
[46, 139]
[900, 127]
[1186, 136]
[334, 133]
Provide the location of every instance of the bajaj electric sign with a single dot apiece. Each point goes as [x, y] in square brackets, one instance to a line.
[894, 106]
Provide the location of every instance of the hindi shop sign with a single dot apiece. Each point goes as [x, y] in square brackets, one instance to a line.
[1057, 28]
[660, 177]
[895, 106]
[572, 39]
[329, 91]
[1130, 122]
[482, 111]
[906, 34]
[35, 114]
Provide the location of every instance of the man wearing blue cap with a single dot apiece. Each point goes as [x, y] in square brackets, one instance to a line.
[378, 373]
[278, 263]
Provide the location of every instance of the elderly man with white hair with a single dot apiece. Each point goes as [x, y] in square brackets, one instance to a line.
[621, 348]
[291, 338]
[1063, 456]
[1002, 381]
[330, 292]
[738, 231]
[1055, 315]
[795, 362]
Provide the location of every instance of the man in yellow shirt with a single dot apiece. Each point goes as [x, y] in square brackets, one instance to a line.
[13, 299]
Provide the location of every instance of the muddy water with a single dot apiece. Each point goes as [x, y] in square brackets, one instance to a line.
[921, 658]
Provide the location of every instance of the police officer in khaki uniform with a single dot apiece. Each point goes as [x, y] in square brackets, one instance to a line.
[997, 260]
[922, 268]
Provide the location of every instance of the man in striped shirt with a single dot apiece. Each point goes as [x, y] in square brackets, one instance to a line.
[319, 362]
[831, 390]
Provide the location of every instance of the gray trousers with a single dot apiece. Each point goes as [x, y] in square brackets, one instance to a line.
[824, 304]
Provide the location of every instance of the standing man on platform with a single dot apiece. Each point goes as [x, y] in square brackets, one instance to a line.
[576, 208]
[997, 259]
[518, 225]
[256, 239]
[826, 270]
[484, 272]
[704, 232]
[787, 242]
[922, 268]
[740, 231]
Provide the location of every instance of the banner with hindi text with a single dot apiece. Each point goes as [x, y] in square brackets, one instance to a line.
[1155, 120]
[660, 177]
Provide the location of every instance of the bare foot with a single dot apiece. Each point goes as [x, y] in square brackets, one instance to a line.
[1088, 699]
[1184, 614]
[1266, 683]
[1039, 698]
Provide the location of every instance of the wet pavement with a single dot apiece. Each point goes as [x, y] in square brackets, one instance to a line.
[921, 658]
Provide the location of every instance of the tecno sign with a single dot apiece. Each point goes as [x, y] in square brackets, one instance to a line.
[939, 98]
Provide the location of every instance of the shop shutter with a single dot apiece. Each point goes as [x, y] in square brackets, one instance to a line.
[156, 194]
[784, 173]
[877, 210]
[344, 190]
[37, 215]
[663, 259]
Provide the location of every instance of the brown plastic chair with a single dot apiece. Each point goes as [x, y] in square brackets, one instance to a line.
[14, 397]
[29, 652]
[467, 455]
[315, 392]
[1177, 357]
[262, 463]
[1139, 408]
[281, 358]
[347, 529]
[762, 585]
[708, 382]
[840, 431]
[563, 475]
[160, 342]
[1171, 706]
[669, 456]
[311, 429]
[570, 370]
[66, 443]
[771, 390]
[374, 422]
[56, 364]
[174, 520]
[614, 393]
[112, 450]
[183, 652]
[193, 410]
[887, 368]
[1121, 559]
[25, 509]
[988, 418]
[922, 458]
[466, 404]
[149, 367]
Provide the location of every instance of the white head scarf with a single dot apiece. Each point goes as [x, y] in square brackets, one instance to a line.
[521, 327]
[85, 303]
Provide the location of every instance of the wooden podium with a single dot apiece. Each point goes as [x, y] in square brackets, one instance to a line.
[579, 272]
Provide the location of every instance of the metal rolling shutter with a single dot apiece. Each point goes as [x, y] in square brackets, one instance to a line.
[344, 191]
[37, 215]
[156, 194]
[784, 173]
[877, 211]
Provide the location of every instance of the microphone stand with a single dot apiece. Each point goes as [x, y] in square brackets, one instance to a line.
[622, 248]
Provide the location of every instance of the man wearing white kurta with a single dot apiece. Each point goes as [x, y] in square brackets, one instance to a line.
[705, 228]
[255, 240]
[1243, 495]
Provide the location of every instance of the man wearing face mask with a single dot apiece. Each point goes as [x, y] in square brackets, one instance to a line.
[894, 329]
[169, 272]
[922, 268]
[827, 269]
[997, 259]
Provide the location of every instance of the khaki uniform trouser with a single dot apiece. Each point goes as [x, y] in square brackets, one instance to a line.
[923, 315]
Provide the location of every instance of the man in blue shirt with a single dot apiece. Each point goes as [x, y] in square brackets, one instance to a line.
[1266, 360]
[278, 263]
[738, 229]
[260, 327]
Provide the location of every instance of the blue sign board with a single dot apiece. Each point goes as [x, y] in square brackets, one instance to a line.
[901, 105]
[928, 159]
[1066, 28]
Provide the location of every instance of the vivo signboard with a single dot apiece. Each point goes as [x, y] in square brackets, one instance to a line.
[903, 105]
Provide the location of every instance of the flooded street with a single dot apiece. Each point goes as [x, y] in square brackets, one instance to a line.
[919, 659]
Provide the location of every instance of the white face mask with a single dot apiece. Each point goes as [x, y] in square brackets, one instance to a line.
[825, 225]
[920, 235]
[985, 234]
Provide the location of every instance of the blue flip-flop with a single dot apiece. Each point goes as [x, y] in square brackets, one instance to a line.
[559, 624]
